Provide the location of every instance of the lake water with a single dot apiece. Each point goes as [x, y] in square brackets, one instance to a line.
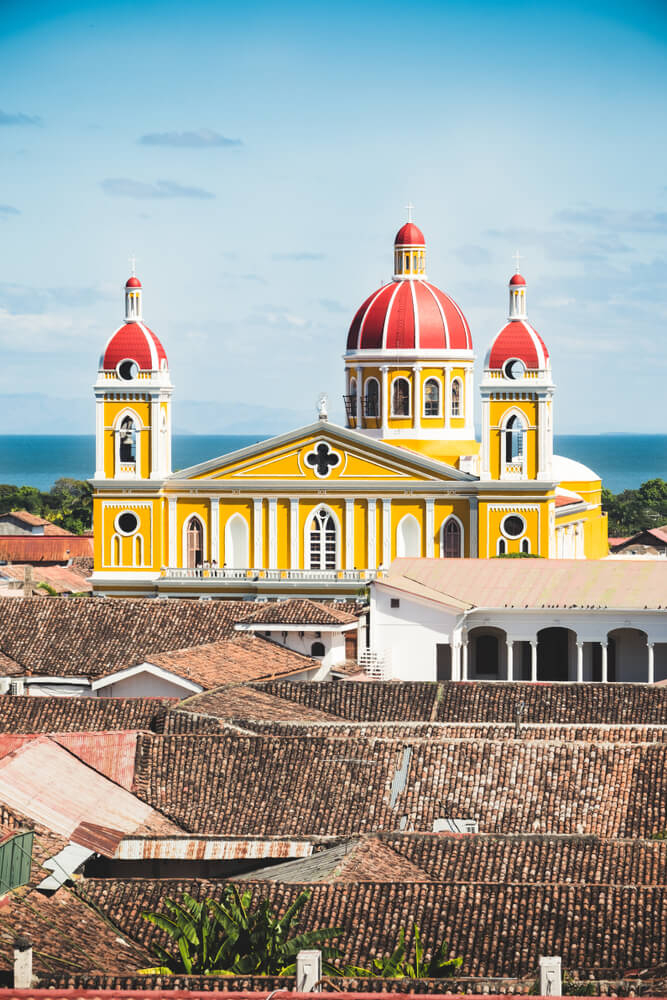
[624, 461]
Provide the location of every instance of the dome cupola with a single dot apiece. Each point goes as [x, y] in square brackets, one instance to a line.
[409, 251]
[517, 347]
[133, 348]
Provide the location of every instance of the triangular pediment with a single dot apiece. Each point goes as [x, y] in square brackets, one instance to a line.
[326, 453]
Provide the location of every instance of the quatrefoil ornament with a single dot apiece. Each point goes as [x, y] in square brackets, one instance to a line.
[322, 459]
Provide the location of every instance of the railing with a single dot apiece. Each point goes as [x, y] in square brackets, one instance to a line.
[376, 663]
[513, 470]
[359, 576]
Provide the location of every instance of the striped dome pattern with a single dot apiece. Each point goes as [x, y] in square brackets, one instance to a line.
[409, 315]
[134, 342]
[518, 339]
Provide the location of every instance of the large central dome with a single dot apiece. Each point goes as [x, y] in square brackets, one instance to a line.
[409, 313]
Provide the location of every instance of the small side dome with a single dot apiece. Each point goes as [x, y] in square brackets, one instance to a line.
[517, 279]
[520, 341]
[409, 235]
[133, 282]
[134, 342]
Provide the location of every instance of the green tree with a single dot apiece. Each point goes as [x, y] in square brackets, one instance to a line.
[396, 965]
[634, 510]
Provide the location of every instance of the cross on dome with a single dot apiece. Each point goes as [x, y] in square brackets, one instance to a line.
[409, 209]
[133, 265]
[517, 258]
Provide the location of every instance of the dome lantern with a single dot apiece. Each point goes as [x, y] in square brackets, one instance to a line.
[133, 296]
[517, 287]
[409, 251]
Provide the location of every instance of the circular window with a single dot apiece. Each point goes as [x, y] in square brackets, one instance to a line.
[513, 526]
[127, 522]
[128, 369]
[514, 369]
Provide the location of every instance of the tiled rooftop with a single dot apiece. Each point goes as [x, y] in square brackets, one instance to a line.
[29, 714]
[298, 611]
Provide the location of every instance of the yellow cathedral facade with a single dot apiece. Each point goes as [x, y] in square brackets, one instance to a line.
[324, 509]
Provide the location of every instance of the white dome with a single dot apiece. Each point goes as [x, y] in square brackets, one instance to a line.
[566, 469]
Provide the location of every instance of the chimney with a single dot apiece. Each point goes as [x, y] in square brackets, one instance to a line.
[309, 972]
[27, 581]
[551, 984]
[22, 962]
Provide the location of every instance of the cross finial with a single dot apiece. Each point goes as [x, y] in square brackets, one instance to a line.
[409, 208]
[517, 258]
[133, 265]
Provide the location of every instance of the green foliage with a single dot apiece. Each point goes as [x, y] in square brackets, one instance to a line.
[47, 588]
[519, 555]
[396, 965]
[69, 503]
[659, 835]
[634, 510]
[229, 938]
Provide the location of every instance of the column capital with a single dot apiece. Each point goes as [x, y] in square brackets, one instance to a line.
[384, 368]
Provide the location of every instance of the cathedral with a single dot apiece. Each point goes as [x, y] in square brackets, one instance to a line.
[324, 509]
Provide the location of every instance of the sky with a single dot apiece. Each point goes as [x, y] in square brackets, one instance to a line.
[257, 158]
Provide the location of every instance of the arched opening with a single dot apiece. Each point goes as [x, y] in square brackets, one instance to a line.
[514, 439]
[372, 401]
[501, 547]
[408, 538]
[627, 655]
[317, 649]
[431, 397]
[456, 397]
[525, 546]
[556, 649]
[128, 441]
[322, 540]
[237, 542]
[194, 543]
[451, 538]
[487, 653]
[353, 398]
[400, 397]
[138, 550]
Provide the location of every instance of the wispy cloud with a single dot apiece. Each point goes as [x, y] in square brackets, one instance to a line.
[331, 305]
[18, 118]
[203, 138]
[123, 187]
[639, 221]
[7, 210]
[228, 278]
[563, 244]
[301, 255]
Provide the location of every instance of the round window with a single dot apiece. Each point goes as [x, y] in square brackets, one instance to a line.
[128, 369]
[127, 522]
[514, 369]
[513, 526]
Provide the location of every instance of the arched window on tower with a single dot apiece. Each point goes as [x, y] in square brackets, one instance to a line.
[195, 544]
[128, 441]
[431, 397]
[400, 398]
[456, 397]
[451, 543]
[353, 395]
[322, 540]
[372, 408]
[514, 439]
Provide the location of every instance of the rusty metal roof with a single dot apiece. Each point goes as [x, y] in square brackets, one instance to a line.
[211, 848]
[112, 754]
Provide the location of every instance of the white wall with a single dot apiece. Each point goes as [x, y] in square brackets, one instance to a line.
[409, 634]
[333, 642]
[144, 685]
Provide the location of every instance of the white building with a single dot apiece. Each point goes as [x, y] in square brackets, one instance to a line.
[521, 619]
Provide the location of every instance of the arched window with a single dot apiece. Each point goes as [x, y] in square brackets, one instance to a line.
[400, 398]
[372, 397]
[514, 439]
[128, 441]
[431, 397]
[353, 395]
[322, 540]
[317, 649]
[195, 543]
[408, 538]
[451, 542]
[502, 547]
[237, 542]
[456, 397]
[525, 545]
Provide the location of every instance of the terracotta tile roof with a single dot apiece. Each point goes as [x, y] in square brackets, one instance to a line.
[89, 638]
[64, 579]
[499, 929]
[24, 517]
[243, 785]
[235, 701]
[29, 714]
[450, 730]
[44, 548]
[298, 611]
[242, 658]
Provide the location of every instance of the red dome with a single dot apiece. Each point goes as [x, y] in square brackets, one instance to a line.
[516, 279]
[409, 315]
[133, 282]
[409, 235]
[518, 339]
[134, 342]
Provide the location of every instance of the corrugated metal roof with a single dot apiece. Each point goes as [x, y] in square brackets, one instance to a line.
[101, 839]
[112, 754]
[210, 849]
[44, 548]
[316, 868]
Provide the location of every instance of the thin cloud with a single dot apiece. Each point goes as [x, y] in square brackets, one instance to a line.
[304, 255]
[7, 210]
[640, 221]
[203, 138]
[123, 187]
[563, 245]
[333, 306]
[18, 118]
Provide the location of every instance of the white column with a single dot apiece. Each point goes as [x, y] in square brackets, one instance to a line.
[448, 395]
[580, 662]
[473, 544]
[604, 662]
[456, 661]
[430, 527]
[99, 438]
[469, 400]
[485, 472]
[172, 555]
[384, 400]
[651, 667]
[294, 532]
[273, 533]
[155, 439]
[371, 532]
[258, 533]
[360, 390]
[349, 533]
[464, 659]
[541, 437]
[417, 398]
[215, 529]
[386, 531]
[510, 660]
[533, 660]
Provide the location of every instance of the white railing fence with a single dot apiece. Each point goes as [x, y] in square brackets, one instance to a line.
[376, 663]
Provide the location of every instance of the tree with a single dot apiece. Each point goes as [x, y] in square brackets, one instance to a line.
[635, 510]
[396, 965]
[229, 938]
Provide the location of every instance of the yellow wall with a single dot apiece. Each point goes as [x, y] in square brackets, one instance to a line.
[498, 414]
[112, 409]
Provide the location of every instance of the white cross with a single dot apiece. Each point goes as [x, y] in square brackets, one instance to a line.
[133, 265]
[409, 207]
[517, 258]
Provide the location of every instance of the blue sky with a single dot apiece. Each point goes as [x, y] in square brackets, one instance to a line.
[257, 159]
